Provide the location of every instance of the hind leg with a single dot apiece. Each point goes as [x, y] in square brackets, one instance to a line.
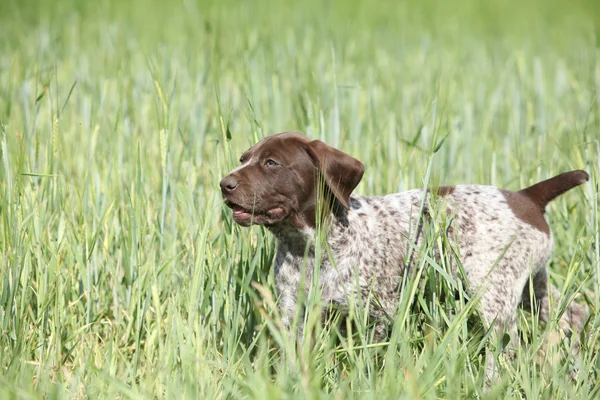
[498, 310]
[571, 321]
[500, 294]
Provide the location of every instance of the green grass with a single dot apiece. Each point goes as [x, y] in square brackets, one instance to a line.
[121, 273]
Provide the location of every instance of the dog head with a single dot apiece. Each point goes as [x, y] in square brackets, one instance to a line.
[280, 179]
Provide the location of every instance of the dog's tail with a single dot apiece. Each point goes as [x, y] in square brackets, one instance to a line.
[544, 192]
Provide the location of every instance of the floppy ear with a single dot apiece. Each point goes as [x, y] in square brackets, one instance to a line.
[342, 172]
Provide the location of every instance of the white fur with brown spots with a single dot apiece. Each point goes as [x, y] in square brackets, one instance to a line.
[502, 237]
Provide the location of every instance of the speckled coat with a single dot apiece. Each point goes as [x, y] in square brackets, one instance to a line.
[502, 237]
[374, 239]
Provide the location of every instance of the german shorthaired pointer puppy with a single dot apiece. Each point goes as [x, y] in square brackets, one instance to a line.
[502, 237]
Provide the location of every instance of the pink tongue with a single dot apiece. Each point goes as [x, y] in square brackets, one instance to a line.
[238, 210]
[275, 210]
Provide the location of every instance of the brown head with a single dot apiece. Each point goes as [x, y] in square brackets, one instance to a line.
[278, 181]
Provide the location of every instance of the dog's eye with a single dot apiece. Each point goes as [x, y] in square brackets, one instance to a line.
[271, 163]
[241, 159]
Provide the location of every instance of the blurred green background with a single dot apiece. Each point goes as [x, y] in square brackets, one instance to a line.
[121, 273]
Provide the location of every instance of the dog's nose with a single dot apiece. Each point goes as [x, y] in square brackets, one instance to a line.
[228, 184]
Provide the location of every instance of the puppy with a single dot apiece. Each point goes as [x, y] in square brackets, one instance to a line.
[502, 237]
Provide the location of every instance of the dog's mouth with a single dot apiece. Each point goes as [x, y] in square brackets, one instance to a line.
[246, 217]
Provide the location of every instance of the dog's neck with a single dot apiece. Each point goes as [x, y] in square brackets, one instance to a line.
[301, 241]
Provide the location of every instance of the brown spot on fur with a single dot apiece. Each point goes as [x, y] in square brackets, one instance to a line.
[526, 210]
[529, 204]
[442, 190]
[466, 225]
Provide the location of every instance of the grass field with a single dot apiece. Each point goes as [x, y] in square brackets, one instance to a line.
[121, 273]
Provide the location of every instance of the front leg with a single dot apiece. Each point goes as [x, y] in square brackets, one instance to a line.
[288, 305]
[287, 281]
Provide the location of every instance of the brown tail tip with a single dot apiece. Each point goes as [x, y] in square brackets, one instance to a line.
[544, 192]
